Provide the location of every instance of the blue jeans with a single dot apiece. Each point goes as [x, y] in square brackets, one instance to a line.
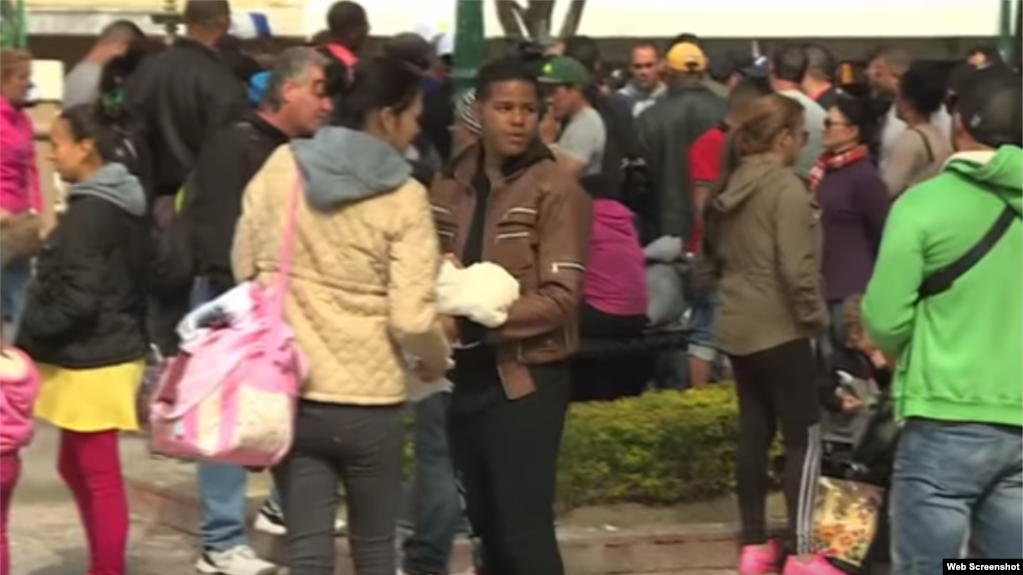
[438, 509]
[222, 487]
[13, 291]
[952, 480]
[222, 491]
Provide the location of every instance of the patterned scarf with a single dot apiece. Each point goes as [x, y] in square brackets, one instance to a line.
[830, 161]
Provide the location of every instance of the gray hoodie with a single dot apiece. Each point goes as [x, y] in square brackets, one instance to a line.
[342, 166]
[115, 184]
[81, 86]
[639, 99]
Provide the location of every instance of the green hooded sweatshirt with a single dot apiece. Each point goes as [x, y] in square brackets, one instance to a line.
[959, 352]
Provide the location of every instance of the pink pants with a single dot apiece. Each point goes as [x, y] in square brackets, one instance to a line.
[90, 464]
[10, 469]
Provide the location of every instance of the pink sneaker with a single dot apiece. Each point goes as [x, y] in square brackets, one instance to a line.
[760, 559]
[816, 566]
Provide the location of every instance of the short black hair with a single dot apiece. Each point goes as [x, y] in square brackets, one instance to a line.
[123, 28]
[897, 58]
[923, 86]
[990, 107]
[206, 12]
[585, 50]
[859, 112]
[346, 16]
[506, 69]
[820, 61]
[410, 47]
[990, 52]
[789, 62]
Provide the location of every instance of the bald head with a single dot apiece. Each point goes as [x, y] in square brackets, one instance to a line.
[207, 12]
[886, 65]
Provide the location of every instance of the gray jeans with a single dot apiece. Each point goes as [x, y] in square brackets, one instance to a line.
[361, 447]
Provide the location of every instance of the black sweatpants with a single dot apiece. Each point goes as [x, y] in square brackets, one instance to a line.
[616, 376]
[778, 385]
[506, 456]
[361, 447]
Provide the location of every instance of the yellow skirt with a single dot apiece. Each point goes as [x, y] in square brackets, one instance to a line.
[90, 400]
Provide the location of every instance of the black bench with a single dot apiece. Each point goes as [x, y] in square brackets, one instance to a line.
[663, 340]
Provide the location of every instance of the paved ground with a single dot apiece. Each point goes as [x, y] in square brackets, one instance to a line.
[46, 537]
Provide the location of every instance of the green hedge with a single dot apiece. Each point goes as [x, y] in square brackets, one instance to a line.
[661, 448]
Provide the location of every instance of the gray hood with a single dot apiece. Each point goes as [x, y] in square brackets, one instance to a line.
[342, 166]
[115, 184]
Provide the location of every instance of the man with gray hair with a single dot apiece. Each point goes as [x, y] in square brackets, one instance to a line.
[294, 105]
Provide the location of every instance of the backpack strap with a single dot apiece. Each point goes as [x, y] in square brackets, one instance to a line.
[927, 145]
[942, 279]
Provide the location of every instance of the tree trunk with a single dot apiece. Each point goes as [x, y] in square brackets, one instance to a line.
[573, 19]
[532, 21]
[512, 15]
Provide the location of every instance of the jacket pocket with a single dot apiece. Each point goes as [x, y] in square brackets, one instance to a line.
[447, 227]
[515, 241]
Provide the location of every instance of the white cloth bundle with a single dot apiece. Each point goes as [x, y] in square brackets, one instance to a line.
[483, 293]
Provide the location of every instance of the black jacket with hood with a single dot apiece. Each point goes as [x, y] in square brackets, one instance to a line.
[86, 306]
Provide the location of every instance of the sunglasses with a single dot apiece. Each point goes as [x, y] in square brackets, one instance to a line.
[829, 123]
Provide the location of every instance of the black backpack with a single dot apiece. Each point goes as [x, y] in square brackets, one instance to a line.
[624, 167]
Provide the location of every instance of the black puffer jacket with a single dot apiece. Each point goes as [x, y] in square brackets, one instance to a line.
[86, 305]
[183, 96]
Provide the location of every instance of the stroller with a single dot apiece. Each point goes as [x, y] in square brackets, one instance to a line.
[858, 446]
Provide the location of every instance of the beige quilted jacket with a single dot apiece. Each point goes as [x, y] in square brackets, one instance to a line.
[365, 263]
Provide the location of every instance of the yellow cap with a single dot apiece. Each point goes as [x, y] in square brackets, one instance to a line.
[686, 57]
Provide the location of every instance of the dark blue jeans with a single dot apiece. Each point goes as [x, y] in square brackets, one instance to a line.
[952, 480]
[438, 509]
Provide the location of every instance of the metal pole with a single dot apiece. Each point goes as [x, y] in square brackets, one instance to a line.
[1017, 40]
[1005, 28]
[470, 42]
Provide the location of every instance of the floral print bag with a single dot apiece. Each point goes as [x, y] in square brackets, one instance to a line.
[846, 519]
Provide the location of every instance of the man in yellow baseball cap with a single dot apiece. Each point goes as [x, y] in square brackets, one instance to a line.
[687, 58]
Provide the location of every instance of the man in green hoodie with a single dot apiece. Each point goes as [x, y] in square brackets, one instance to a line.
[958, 467]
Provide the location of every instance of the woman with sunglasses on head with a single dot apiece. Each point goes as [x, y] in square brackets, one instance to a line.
[854, 203]
[761, 251]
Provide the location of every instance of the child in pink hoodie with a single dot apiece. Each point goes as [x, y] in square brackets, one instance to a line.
[19, 384]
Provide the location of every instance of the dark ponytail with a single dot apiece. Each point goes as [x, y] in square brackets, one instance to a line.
[111, 107]
[379, 83]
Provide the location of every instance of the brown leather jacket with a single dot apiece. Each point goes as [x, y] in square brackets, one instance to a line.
[537, 228]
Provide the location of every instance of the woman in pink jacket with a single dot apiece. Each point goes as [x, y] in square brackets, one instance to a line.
[19, 180]
[19, 384]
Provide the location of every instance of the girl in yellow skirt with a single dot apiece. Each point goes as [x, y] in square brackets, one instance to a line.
[83, 324]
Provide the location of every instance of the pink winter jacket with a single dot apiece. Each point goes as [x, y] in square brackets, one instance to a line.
[19, 178]
[19, 385]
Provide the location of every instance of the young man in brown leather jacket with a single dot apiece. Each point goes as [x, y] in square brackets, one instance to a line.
[505, 200]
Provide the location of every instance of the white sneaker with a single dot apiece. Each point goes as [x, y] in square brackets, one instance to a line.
[270, 519]
[241, 560]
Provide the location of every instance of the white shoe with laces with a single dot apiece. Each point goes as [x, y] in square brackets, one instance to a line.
[270, 520]
[241, 560]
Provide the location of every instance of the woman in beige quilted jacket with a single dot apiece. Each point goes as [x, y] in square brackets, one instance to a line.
[361, 296]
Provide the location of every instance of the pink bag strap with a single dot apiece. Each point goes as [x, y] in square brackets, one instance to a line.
[286, 253]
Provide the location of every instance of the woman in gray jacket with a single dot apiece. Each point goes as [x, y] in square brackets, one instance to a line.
[762, 252]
